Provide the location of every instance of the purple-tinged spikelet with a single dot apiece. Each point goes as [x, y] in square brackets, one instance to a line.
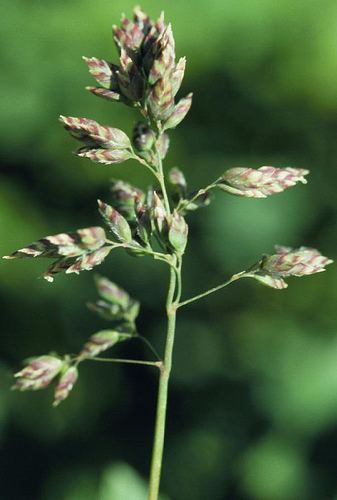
[118, 225]
[65, 384]
[92, 133]
[147, 74]
[103, 72]
[178, 232]
[261, 182]
[38, 373]
[179, 112]
[101, 341]
[288, 262]
[63, 244]
[295, 262]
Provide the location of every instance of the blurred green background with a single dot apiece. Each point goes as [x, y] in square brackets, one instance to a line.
[253, 400]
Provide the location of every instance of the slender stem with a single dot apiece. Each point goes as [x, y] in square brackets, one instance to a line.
[235, 277]
[159, 435]
[158, 364]
[157, 255]
[149, 345]
[146, 164]
[201, 191]
[159, 174]
[179, 278]
[161, 180]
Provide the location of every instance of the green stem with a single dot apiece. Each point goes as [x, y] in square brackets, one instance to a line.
[156, 255]
[161, 180]
[144, 162]
[179, 278]
[235, 277]
[185, 203]
[158, 364]
[149, 345]
[159, 434]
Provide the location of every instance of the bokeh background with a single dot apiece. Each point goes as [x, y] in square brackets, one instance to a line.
[253, 399]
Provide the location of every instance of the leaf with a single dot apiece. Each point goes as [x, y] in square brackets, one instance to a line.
[118, 225]
[261, 182]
